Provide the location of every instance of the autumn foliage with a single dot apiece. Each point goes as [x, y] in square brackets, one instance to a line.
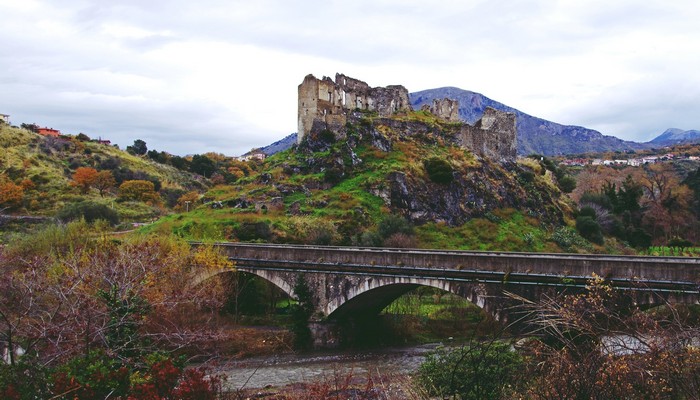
[11, 195]
[138, 190]
[67, 292]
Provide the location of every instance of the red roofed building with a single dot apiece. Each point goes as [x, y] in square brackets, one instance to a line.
[48, 132]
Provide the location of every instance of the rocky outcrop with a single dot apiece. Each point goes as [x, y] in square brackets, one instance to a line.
[473, 194]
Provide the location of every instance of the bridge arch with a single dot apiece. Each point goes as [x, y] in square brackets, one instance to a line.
[279, 280]
[375, 294]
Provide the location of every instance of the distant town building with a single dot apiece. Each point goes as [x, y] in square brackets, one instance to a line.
[5, 118]
[254, 155]
[48, 132]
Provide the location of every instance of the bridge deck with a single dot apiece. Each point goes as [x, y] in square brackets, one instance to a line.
[631, 272]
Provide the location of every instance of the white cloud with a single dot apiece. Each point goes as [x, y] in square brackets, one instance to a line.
[218, 75]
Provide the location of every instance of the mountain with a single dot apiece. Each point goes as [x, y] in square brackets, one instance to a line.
[535, 135]
[280, 145]
[676, 136]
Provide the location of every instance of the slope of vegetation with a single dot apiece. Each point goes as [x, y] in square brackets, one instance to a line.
[343, 188]
[40, 176]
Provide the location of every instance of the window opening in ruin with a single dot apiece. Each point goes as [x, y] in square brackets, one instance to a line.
[330, 96]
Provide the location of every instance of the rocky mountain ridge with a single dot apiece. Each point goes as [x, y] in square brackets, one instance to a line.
[535, 135]
[676, 136]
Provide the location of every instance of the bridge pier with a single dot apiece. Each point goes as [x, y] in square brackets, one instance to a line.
[325, 334]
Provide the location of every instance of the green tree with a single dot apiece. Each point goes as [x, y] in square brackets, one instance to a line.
[139, 148]
[567, 183]
[202, 165]
[301, 312]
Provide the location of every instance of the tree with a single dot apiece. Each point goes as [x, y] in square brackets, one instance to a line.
[104, 181]
[567, 183]
[301, 312]
[589, 228]
[202, 165]
[138, 190]
[667, 201]
[84, 178]
[392, 224]
[138, 148]
[66, 291]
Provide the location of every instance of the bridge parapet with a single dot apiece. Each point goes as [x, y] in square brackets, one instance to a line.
[673, 273]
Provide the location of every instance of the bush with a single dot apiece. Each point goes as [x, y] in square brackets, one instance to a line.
[589, 229]
[254, 231]
[567, 184]
[439, 170]
[392, 224]
[587, 211]
[479, 371]
[566, 238]
[89, 211]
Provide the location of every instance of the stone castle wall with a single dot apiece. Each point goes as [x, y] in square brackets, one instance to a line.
[493, 136]
[326, 104]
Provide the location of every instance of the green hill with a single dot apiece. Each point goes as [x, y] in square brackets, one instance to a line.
[42, 168]
[387, 182]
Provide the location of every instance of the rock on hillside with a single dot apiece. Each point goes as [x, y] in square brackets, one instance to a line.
[387, 156]
[535, 135]
[676, 136]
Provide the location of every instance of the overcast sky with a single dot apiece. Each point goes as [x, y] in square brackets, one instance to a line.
[221, 75]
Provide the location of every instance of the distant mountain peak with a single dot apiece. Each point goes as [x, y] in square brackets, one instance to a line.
[535, 135]
[676, 136]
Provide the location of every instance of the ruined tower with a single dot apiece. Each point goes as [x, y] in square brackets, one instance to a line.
[324, 103]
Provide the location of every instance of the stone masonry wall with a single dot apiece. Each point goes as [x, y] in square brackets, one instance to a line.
[326, 104]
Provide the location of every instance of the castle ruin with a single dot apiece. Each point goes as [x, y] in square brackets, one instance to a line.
[324, 104]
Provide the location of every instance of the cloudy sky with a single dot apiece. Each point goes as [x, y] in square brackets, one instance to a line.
[221, 75]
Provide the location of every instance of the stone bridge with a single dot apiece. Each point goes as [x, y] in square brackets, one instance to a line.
[351, 282]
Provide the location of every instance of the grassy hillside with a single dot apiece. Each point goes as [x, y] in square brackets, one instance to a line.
[370, 185]
[43, 167]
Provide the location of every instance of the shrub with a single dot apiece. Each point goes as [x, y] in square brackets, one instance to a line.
[479, 371]
[401, 241]
[392, 224]
[439, 170]
[89, 211]
[254, 231]
[566, 238]
[567, 184]
[589, 229]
